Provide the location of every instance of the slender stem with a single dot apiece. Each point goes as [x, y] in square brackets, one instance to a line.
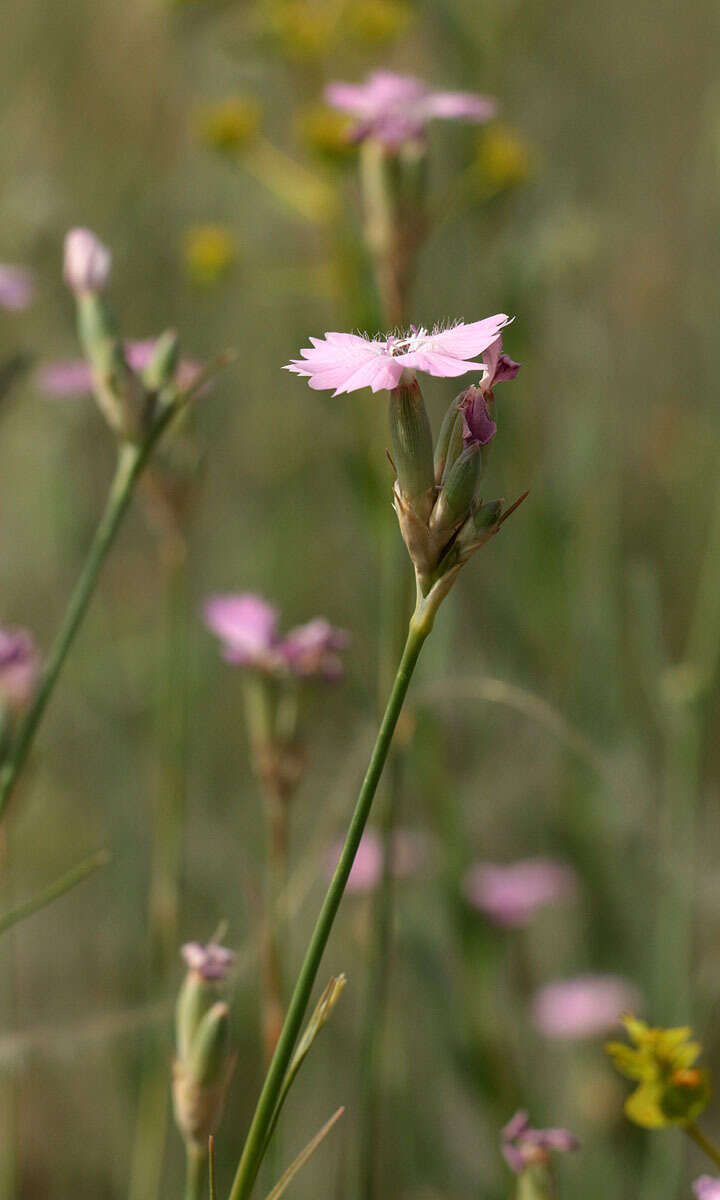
[196, 1165]
[697, 1135]
[54, 890]
[420, 627]
[377, 990]
[167, 813]
[131, 461]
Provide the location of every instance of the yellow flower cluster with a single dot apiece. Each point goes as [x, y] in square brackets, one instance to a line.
[671, 1089]
[210, 253]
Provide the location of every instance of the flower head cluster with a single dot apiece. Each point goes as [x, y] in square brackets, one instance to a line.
[16, 287]
[211, 962]
[671, 1089]
[395, 109]
[247, 627]
[511, 895]
[523, 1147]
[442, 519]
[69, 377]
[346, 362]
[19, 668]
[584, 1007]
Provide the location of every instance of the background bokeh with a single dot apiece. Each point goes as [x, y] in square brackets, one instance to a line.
[592, 216]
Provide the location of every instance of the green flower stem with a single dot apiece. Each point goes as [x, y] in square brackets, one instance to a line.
[709, 1148]
[420, 627]
[167, 817]
[132, 458]
[196, 1173]
[54, 890]
[377, 990]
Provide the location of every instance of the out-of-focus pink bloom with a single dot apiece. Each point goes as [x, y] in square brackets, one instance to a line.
[478, 425]
[347, 362]
[409, 853]
[74, 376]
[512, 894]
[16, 287]
[19, 668]
[707, 1188]
[523, 1147]
[312, 649]
[213, 962]
[87, 262]
[247, 627]
[395, 109]
[584, 1007]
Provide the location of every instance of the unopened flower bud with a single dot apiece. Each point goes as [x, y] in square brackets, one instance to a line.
[165, 360]
[411, 441]
[449, 441]
[207, 1060]
[196, 997]
[87, 262]
[456, 497]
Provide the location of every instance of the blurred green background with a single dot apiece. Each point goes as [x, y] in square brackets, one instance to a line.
[592, 216]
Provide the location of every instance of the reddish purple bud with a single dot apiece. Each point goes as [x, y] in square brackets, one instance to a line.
[87, 262]
[211, 962]
[478, 426]
[19, 668]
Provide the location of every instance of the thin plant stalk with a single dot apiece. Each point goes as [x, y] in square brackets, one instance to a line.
[708, 1147]
[132, 458]
[377, 989]
[167, 814]
[420, 627]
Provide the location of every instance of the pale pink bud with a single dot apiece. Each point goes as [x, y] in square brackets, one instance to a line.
[87, 262]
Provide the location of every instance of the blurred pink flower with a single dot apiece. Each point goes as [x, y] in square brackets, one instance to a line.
[312, 649]
[512, 894]
[409, 853]
[478, 425]
[86, 265]
[523, 1146]
[16, 287]
[247, 627]
[583, 1007]
[707, 1188]
[395, 109]
[213, 962]
[19, 668]
[348, 362]
[72, 376]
